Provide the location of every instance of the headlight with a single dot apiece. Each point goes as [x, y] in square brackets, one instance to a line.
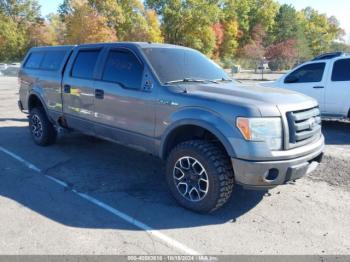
[268, 130]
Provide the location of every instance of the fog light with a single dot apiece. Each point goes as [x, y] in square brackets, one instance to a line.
[272, 174]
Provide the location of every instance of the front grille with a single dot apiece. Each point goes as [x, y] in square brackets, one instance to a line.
[304, 126]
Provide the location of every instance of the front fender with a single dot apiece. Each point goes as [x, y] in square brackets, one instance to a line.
[209, 120]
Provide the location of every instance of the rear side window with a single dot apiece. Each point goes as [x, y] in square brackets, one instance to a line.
[34, 60]
[341, 70]
[307, 74]
[53, 60]
[124, 68]
[85, 63]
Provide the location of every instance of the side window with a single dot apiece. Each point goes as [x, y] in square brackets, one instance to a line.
[307, 74]
[84, 64]
[34, 60]
[341, 70]
[124, 68]
[53, 60]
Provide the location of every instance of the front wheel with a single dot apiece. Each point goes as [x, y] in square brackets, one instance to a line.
[199, 175]
[42, 130]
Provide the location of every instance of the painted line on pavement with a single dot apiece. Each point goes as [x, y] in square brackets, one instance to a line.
[169, 241]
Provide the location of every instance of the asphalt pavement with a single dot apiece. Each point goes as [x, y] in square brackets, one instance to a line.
[88, 196]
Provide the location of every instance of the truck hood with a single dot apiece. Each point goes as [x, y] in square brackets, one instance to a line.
[263, 98]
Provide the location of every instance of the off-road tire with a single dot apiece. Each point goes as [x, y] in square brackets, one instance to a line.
[219, 172]
[48, 134]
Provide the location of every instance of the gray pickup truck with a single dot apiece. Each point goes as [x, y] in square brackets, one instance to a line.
[175, 103]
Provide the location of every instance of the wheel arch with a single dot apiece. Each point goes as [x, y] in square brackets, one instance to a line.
[184, 130]
[35, 100]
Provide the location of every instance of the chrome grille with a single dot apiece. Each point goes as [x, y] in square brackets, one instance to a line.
[304, 126]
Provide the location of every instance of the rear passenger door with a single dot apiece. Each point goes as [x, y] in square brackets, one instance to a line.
[78, 91]
[124, 110]
[338, 89]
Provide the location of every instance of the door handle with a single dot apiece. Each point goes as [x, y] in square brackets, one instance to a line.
[99, 93]
[66, 89]
[318, 87]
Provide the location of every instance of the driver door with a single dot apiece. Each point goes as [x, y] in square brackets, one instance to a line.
[124, 109]
[310, 80]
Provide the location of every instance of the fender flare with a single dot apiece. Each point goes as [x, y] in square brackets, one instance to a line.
[34, 92]
[206, 120]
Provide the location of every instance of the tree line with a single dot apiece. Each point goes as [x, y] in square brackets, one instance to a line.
[229, 31]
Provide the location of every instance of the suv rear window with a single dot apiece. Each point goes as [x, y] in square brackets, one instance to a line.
[34, 60]
[341, 70]
[53, 60]
[84, 64]
[124, 68]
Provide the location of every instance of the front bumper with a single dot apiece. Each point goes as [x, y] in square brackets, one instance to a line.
[268, 174]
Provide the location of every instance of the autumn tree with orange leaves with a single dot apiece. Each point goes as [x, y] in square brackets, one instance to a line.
[86, 25]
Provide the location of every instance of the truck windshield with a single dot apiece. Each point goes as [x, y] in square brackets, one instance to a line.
[175, 65]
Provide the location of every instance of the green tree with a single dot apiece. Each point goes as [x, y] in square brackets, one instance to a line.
[12, 40]
[263, 13]
[286, 24]
[189, 22]
[135, 26]
[320, 31]
[154, 33]
[17, 20]
[339, 46]
[303, 50]
[21, 11]
[239, 10]
[229, 44]
[111, 10]
[249, 14]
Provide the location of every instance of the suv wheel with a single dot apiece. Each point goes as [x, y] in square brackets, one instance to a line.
[42, 130]
[199, 175]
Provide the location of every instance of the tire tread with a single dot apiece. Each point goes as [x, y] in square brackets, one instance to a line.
[216, 155]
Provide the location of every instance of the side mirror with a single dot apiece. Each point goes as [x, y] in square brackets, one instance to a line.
[291, 79]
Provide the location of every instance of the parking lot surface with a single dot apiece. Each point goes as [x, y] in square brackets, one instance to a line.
[88, 196]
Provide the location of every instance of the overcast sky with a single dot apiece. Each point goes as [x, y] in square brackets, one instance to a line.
[338, 8]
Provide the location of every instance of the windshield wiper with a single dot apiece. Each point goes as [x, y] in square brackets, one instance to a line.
[223, 80]
[187, 80]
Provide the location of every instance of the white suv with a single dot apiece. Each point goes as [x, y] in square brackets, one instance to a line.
[325, 78]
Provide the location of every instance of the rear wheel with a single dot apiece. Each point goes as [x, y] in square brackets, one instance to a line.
[42, 130]
[199, 175]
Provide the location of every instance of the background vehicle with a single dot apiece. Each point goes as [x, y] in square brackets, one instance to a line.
[263, 66]
[327, 79]
[11, 71]
[175, 103]
[15, 64]
[3, 66]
